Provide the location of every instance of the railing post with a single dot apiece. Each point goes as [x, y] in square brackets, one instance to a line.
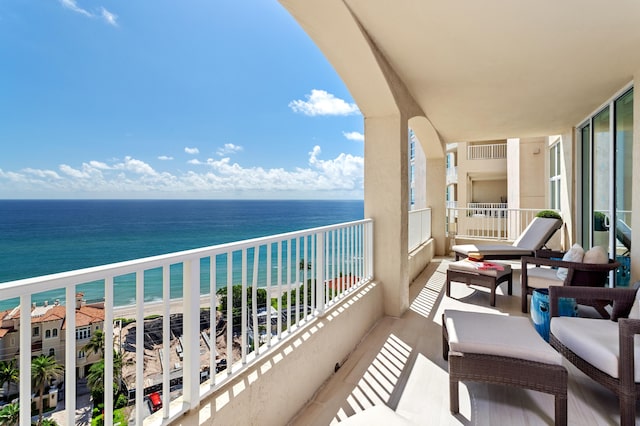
[70, 356]
[320, 302]
[25, 359]
[108, 351]
[191, 332]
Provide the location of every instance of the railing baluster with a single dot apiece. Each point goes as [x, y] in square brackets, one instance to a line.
[213, 319]
[108, 354]
[229, 355]
[166, 340]
[139, 346]
[243, 310]
[25, 362]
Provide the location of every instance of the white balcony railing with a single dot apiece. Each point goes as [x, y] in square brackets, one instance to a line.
[287, 268]
[419, 227]
[487, 152]
[489, 223]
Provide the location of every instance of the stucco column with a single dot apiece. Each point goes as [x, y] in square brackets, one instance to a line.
[436, 188]
[386, 199]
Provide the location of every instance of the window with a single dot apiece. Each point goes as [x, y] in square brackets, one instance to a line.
[83, 333]
[47, 334]
[554, 176]
[52, 352]
[55, 332]
[80, 354]
[36, 331]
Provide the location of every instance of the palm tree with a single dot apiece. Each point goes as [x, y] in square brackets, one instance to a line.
[10, 415]
[43, 370]
[96, 343]
[9, 374]
[95, 378]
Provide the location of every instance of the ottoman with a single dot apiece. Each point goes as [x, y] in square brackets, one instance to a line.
[467, 272]
[504, 350]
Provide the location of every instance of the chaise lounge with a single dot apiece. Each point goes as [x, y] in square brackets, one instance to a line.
[533, 238]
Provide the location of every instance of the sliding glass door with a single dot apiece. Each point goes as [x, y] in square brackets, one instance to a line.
[606, 144]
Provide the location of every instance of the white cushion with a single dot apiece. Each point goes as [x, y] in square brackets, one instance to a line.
[635, 309]
[501, 335]
[542, 278]
[537, 233]
[575, 254]
[596, 254]
[595, 341]
[491, 250]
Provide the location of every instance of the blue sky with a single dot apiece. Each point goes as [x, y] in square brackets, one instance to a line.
[171, 99]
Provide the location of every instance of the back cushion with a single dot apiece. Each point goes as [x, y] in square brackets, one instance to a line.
[575, 254]
[596, 254]
[635, 309]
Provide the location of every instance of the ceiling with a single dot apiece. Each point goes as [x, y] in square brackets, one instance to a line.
[479, 70]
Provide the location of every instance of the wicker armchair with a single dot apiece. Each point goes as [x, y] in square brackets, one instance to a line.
[602, 349]
[543, 276]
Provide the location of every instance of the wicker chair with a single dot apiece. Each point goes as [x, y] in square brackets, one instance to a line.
[602, 349]
[543, 276]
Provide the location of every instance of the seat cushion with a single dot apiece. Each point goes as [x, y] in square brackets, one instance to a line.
[595, 341]
[490, 334]
[542, 278]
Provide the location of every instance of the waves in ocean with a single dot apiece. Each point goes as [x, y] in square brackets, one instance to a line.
[40, 237]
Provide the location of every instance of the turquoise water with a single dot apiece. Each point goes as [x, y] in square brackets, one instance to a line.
[40, 237]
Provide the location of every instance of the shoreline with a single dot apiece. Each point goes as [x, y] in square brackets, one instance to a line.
[154, 308]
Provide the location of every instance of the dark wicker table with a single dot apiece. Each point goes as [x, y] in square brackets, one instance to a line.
[463, 271]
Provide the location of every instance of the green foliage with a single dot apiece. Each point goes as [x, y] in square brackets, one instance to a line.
[121, 401]
[599, 221]
[48, 422]
[118, 417]
[9, 373]
[10, 415]
[549, 214]
[43, 370]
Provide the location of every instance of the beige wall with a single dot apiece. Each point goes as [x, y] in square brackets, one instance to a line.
[489, 191]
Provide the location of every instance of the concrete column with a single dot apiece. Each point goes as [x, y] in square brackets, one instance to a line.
[386, 201]
[437, 184]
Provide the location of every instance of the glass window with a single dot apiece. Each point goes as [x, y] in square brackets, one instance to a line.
[36, 331]
[47, 334]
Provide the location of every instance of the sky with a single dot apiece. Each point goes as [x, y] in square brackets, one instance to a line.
[226, 99]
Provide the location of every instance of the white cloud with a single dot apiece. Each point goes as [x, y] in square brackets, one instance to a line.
[342, 177]
[109, 17]
[354, 136]
[228, 149]
[72, 5]
[192, 151]
[165, 158]
[319, 102]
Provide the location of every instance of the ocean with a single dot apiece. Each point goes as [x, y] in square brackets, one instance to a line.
[40, 237]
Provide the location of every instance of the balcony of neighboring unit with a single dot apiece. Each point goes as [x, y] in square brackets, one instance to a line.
[496, 151]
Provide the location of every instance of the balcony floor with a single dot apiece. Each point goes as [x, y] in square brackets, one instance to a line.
[399, 364]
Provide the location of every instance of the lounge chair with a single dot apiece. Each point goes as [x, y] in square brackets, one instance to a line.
[604, 350]
[533, 238]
